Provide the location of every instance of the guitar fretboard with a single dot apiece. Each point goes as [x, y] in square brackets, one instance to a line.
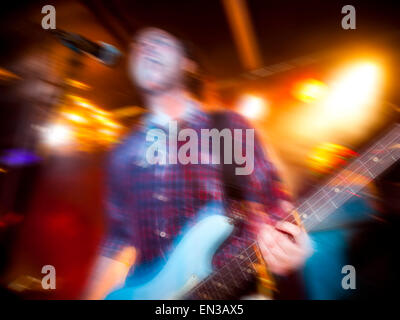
[228, 281]
[349, 181]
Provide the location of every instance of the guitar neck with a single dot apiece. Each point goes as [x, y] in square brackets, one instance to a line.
[228, 281]
[231, 280]
[351, 180]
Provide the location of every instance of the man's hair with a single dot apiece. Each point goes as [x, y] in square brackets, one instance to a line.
[194, 80]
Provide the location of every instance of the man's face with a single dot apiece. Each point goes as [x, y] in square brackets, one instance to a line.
[156, 60]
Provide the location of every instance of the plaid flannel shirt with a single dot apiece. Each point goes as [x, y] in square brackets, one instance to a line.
[149, 205]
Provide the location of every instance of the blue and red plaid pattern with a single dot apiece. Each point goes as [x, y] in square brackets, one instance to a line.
[149, 205]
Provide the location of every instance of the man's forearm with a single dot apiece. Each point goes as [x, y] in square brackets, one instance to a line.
[109, 274]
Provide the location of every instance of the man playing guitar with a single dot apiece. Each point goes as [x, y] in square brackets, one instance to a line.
[149, 205]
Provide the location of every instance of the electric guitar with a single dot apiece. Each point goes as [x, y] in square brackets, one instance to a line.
[188, 274]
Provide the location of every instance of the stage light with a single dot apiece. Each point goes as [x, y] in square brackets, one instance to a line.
[18, 157]
[107, 132]
[112, 124]
[326, 157]
[8, 75]
[107, 122]
[84, 104]
[128, 111]
[88, 105]
[353, 92]
[77, 84]
[310, 90]
[74, 117]
[57, 135]
[252, 107]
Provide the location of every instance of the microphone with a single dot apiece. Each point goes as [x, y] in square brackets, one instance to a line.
[101, 51]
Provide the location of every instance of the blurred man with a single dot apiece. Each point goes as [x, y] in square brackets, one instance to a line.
[149, 204]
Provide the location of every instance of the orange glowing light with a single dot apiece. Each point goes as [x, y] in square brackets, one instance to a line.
[105, 121]
[75, 117]
[107, 132]
[310, 90]
[80, 125]
[77, 84]
[82, 102]
[326, 157]
[7, 75]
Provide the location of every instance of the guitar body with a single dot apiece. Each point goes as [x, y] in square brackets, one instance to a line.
[189, 263]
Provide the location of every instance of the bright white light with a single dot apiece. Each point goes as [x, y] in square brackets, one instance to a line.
[353, 91]
[57, 135]
[252, 107]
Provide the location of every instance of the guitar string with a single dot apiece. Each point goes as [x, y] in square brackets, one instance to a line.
[213, 290]
[308, 223]
[343, 180]
[219, 272]
[349, 179]
[352, 174]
